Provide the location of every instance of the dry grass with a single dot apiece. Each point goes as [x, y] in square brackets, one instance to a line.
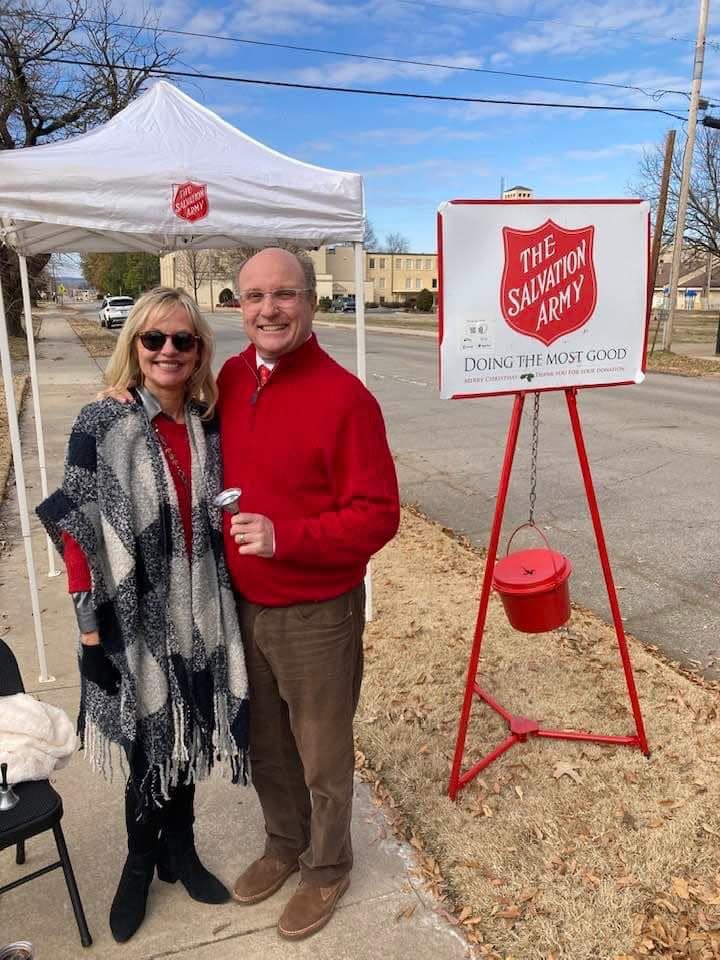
[20, 383]
[98, 341]
[19, 356]
[663, 361]
[558, 849]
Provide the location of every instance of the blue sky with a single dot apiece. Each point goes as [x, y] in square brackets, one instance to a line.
[415, 154]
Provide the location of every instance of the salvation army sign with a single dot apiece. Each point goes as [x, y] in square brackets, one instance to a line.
[190, 201]
[539, 295]
[548, 285]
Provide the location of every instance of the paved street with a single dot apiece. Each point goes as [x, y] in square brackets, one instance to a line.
[655, 456]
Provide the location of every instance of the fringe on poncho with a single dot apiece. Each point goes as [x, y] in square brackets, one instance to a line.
[166, 620]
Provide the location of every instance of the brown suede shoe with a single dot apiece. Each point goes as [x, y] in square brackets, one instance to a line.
[309, 909]
[262, 878]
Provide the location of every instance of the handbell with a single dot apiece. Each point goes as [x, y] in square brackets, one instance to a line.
[228, 500]
[8, 797]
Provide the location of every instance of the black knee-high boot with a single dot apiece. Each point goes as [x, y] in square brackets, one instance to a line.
[128, 906]
[177, 857]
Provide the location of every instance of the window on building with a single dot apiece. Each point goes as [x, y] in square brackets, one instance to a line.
[381, 261]
[417, 283]
[434, 283]
[381, 283]
[428, 264]
[371, 263]
[418, 264]
[408, 284]
[382, 299]
[408, 264]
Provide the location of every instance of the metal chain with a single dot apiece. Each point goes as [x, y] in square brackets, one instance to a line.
[534, 455]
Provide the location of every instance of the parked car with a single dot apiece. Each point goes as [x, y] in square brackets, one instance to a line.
[115, 310]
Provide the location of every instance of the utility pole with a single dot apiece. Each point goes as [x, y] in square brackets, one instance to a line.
[687, 167]
[660, 212]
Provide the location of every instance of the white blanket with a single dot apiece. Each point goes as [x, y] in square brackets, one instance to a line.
[35, 738]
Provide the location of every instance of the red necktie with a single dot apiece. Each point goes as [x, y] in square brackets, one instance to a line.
[263, 374]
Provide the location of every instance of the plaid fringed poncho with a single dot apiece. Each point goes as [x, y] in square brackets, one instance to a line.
[167, 621]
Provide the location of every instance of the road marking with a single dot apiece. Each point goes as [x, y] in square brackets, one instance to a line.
[381, 376]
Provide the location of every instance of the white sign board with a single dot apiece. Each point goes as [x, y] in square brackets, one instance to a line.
[539, 295]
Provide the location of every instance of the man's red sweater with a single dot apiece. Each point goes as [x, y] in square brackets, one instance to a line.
[309, 451]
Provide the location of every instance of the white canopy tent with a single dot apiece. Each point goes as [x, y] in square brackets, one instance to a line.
[164, 174]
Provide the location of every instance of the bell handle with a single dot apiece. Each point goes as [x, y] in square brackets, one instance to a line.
[536, 528]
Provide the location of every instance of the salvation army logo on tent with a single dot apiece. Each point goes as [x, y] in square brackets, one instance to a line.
[190, 200]
[548, 284]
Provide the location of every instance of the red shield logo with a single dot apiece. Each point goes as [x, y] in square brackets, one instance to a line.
[190, 200]
[548, 286]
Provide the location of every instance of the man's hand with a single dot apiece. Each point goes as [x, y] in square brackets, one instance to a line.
[115, 393]
[254, 534]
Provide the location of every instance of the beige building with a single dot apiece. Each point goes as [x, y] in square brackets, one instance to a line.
[518, 193]
[389, 277]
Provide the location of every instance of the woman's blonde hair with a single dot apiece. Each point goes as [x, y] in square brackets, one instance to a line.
[123, 370]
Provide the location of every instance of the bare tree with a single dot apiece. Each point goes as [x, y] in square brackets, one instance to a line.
[702, 221]
[370, 240]
[396, 243]
[63, 70]
[192, 269]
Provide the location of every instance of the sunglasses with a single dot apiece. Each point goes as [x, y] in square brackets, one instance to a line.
[182, 341]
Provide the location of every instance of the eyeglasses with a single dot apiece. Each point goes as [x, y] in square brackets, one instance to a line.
[154, 340]
[285, 297]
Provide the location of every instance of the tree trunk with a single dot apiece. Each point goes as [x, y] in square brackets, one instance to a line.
[12, 290]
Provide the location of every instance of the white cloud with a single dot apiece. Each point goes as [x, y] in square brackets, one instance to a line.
[607, 153]
[288, 17]
[364, 72]
[411, 136]
[577, 28]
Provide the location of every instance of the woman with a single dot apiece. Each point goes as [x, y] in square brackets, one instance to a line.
[161, 662]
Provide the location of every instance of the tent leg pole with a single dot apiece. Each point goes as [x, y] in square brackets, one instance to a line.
[361, 372]
[20, 483]
[360, 311]
[35, 384]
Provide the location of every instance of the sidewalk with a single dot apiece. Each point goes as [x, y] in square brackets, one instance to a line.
[384, 914]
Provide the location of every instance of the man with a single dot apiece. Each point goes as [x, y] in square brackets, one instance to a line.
[305, 442]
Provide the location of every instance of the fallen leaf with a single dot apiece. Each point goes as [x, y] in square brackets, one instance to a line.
[680, 888]
[564, 769]
[629, 820]
[509, 913]
[406, 912]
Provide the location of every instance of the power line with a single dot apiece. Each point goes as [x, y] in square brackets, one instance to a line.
[656, 94]
[359, 90]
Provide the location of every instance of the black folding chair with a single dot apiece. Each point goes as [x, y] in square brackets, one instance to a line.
[40, 809]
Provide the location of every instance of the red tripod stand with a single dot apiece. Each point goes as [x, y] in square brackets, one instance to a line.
[520, 728]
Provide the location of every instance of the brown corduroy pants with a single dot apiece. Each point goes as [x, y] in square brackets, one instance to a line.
[305, 665]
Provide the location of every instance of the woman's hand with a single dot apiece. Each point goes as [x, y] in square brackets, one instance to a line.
[91, 639]
[96, 667]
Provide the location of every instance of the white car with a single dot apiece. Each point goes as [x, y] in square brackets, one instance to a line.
[115, 310]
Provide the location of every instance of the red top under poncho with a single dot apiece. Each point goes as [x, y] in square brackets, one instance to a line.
[309, 451]
[176, 437]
